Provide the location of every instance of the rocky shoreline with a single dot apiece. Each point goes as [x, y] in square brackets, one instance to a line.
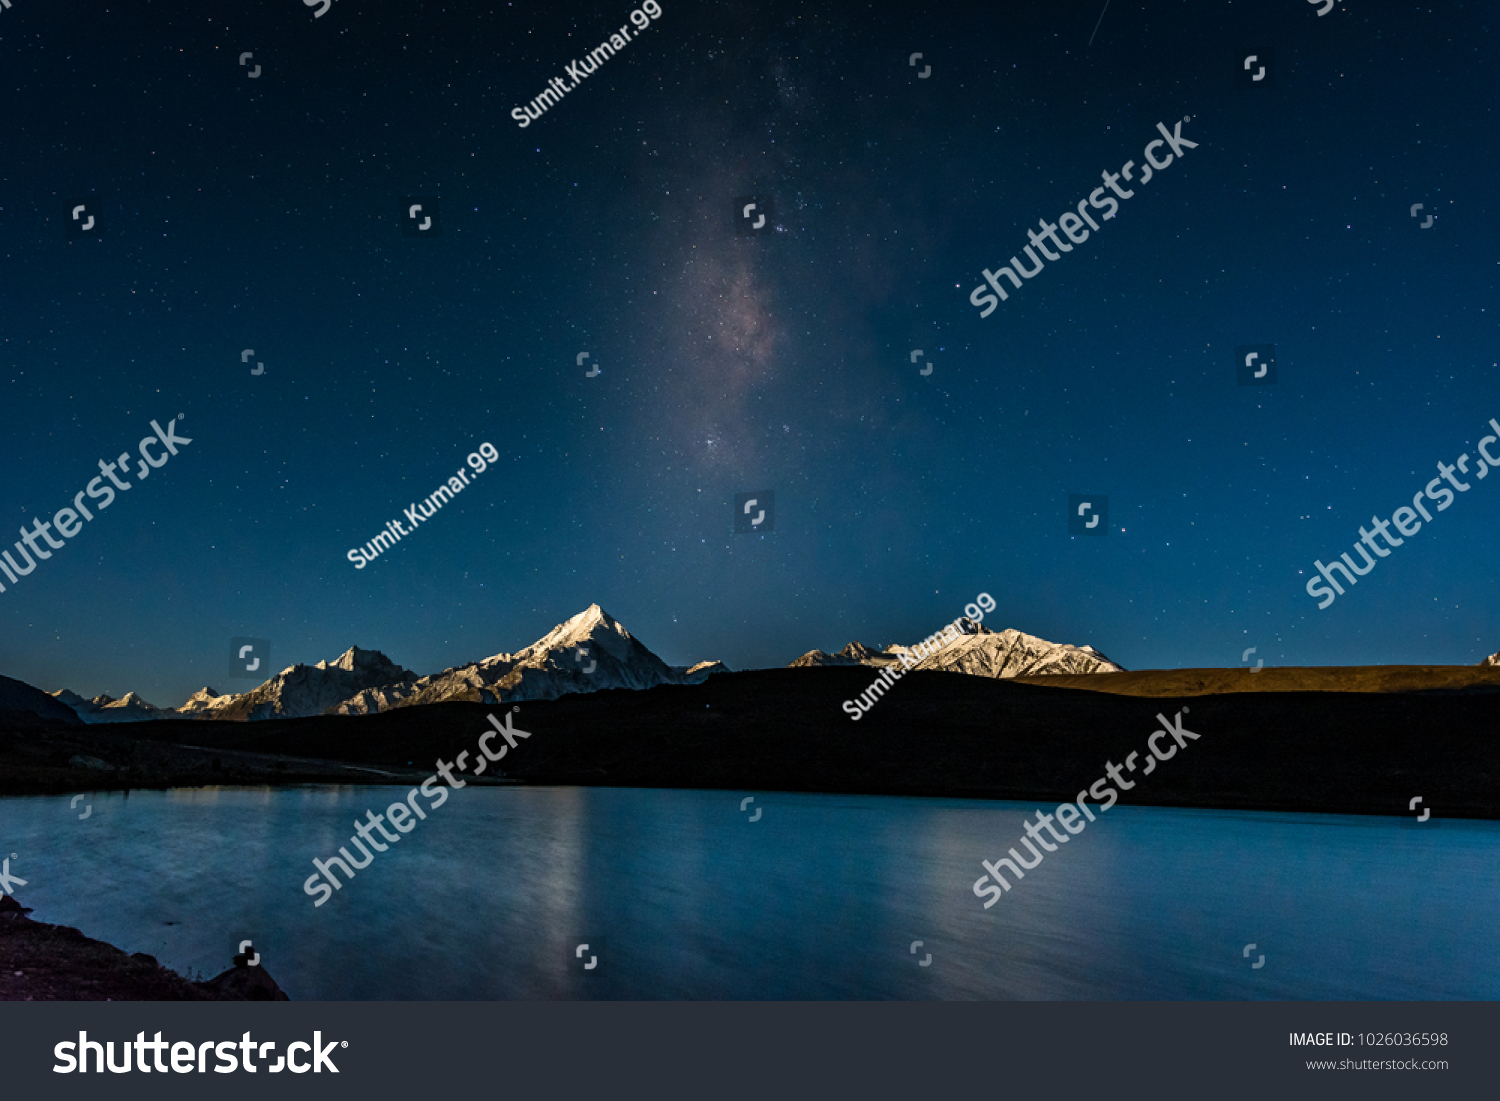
[41, 962]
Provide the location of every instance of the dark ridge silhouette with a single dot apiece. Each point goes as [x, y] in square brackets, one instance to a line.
[17, 699]
[932, 734]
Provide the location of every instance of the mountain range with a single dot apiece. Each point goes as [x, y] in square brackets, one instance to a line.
[106, 709]
[979, 652]
[588, 653]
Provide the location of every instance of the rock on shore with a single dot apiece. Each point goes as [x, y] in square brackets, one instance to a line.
[41, 962]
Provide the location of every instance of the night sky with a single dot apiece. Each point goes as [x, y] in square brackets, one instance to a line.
[266, 213]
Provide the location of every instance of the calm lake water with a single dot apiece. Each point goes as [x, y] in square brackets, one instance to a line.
[680, 895]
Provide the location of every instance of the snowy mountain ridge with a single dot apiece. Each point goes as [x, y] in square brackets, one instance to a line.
[976, 650]
[590, 652]
[587, 653]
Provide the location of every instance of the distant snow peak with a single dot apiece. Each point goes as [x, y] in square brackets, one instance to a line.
[859, 652]
[1012, 653]
[589, 652]
[697, 674]
[354, 659]
[204, 700]
[300, 691]
[107, 709]
[822, 657]
[968, 647]
[1493, 659]
[593, 626]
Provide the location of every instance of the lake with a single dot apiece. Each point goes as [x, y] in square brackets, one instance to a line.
[679, 894]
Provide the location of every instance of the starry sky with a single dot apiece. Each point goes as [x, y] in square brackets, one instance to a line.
[266, 213]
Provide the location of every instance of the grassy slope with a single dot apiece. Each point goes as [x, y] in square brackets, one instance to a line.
[1322, 678]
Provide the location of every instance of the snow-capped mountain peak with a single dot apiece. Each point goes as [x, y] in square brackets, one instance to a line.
[587, 653]
[72, 699]
[205, 699]
[823, 657]
[303, 690]
[975, 649]
[365, 664]
[107, 709]
[590, 630]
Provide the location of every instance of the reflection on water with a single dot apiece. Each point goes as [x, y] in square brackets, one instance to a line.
[679, 895]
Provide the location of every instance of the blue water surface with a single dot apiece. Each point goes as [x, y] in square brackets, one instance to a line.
[679, 894]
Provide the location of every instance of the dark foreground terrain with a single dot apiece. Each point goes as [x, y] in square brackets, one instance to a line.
[1321, 678]
[933, 734]
[41, 962]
